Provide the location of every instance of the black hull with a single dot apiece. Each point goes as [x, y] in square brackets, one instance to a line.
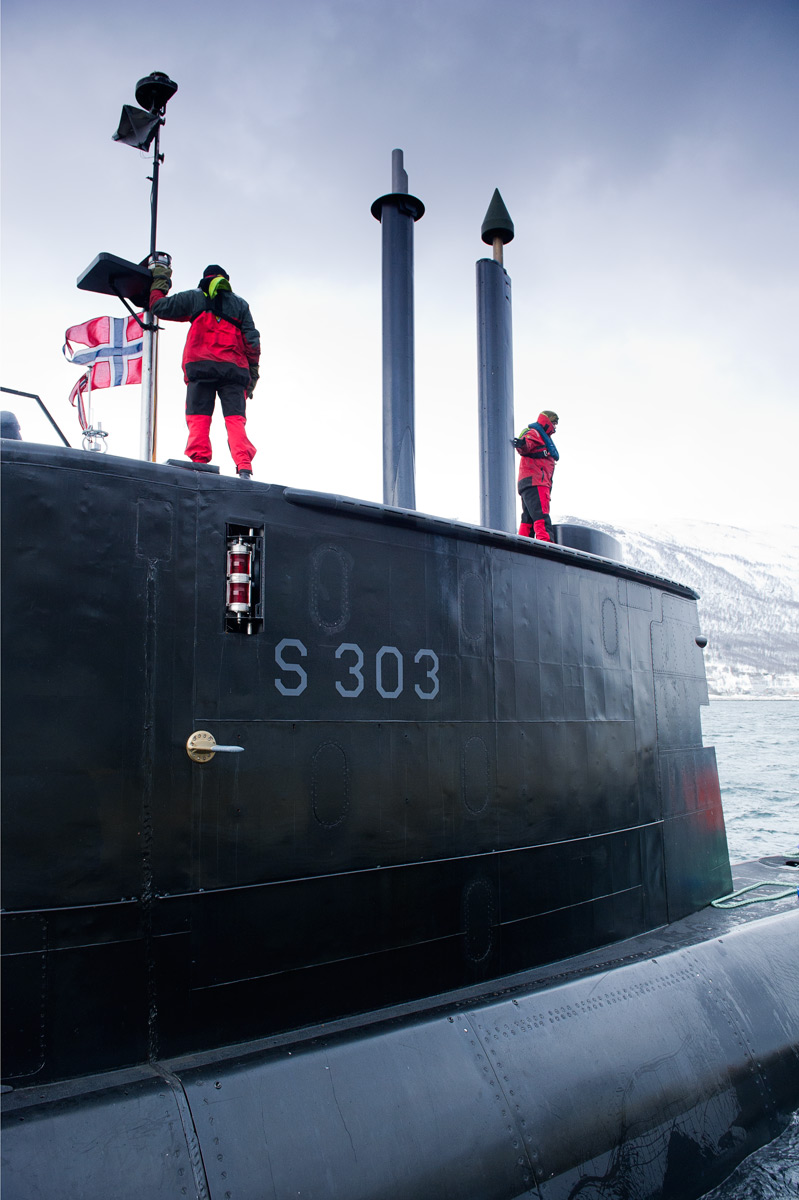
[466, 755]
[648, 1072]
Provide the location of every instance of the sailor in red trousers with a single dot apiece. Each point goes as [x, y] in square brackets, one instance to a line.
[220, 358]
[538, 457]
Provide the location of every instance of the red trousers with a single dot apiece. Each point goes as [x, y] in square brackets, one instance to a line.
[200, 399]
[535, 513]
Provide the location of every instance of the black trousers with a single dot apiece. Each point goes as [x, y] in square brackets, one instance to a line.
[200, 398]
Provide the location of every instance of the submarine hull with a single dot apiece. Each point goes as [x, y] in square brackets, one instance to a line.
[649, 1072]
[459, 756]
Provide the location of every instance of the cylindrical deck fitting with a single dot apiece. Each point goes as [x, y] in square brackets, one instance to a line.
[396, 213]
[495, 396]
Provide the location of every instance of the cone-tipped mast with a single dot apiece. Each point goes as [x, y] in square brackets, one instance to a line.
[497, 228]
[495, 374]
[396, 213]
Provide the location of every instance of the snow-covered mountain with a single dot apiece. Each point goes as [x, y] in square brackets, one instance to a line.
[748, 582]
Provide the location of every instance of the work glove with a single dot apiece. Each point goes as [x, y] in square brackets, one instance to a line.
[162, 277]
[254, 375]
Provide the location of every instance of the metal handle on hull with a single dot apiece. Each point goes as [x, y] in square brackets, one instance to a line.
[201, 747]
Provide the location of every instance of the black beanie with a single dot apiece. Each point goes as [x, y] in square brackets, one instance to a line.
[212, 271]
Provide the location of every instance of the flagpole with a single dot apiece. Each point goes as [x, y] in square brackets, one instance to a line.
[147, 426]
[88, 409]
[150, 335]
[155, 399]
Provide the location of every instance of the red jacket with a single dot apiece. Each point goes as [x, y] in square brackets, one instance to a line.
[218, 348]
[537, 465]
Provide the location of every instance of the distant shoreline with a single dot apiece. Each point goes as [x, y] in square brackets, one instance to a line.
[783, 696]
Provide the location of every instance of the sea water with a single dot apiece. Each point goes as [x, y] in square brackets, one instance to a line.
[757, 749]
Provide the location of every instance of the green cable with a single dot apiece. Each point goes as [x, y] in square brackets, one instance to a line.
[732, 900]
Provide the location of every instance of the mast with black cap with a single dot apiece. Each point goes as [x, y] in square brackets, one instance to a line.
[130, 282]
[495, 374]
[396, 213]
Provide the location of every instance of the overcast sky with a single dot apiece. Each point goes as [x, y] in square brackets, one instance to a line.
[646, 151]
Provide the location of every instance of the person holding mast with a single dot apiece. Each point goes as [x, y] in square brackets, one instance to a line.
[221, 357]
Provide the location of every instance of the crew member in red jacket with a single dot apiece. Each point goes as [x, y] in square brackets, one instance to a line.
[220, 358]
[538, 457]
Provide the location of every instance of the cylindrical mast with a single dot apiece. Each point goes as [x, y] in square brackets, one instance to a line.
[154, 189]
[148, 380]
[148, 366]
[397, 213]
[141, 128]
[495, 375]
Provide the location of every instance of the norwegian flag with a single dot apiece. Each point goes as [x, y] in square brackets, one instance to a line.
[114, 353]
[113, 357]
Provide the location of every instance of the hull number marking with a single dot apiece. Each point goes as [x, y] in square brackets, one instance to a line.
[389, 672]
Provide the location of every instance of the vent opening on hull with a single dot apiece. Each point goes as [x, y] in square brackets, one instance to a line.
[243, 573]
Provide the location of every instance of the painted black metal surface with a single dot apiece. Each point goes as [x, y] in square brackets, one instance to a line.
[593, 541]
[397, 213]
[465, 754]
[498, 498]
[649, 1070]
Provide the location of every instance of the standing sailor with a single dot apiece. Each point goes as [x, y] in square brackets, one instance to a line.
[537, 466]
[220, 358]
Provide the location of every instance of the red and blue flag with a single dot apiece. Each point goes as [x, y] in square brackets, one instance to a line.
[113, 356]
[114, 349]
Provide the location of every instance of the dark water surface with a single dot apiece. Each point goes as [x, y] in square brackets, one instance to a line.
[757, 748]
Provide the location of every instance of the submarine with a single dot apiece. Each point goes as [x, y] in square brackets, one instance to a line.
[352, 852]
